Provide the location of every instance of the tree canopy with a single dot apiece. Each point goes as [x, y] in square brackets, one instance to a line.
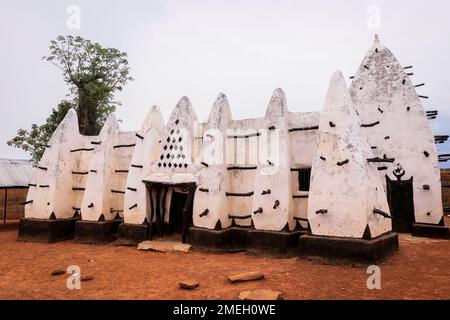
[94, 73]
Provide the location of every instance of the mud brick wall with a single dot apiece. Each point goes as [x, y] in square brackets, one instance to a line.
[14, 209]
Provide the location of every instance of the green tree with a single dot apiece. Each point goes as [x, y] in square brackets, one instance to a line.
[35, 140]
[94, 74]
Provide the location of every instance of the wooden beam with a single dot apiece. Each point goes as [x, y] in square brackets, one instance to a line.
[304, 129]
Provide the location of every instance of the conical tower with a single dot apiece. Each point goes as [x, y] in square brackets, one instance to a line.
[397, 128]
[271, 203]
[346, 199]
[210, 204]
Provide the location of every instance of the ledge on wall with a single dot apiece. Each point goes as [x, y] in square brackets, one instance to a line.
[46, 230]
[437, 231]
[96, 232]
[336, 249]
[234, 239]
[133, 234]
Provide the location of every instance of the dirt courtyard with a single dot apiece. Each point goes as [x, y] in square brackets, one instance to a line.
[420, 270]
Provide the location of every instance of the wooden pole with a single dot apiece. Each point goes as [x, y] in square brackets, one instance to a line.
[150, 192]
[159, 223]
[164, 207]
[187, 212]
[4, 208]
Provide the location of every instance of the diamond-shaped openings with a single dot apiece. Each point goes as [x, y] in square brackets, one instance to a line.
[172, 152]
[175, 165]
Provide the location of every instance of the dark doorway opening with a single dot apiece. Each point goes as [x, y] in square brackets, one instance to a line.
[180, 211]
[177, 204]
[401, 203]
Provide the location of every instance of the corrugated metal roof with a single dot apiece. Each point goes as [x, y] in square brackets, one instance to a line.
[15, 173]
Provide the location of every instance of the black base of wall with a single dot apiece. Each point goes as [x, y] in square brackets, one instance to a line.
[235, 239]
[226, 240]
[133, 234]
[96, 232]
[343, 249]
[431, 231]
[46, 230]
[273, 243]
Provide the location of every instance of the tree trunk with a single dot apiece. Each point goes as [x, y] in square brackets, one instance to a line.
[87, 109]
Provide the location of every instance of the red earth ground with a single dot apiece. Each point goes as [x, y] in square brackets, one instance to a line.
[419, 270]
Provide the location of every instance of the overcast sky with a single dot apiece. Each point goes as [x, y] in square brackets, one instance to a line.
[245, 49]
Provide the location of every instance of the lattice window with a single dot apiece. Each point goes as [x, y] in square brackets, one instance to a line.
[173, 149]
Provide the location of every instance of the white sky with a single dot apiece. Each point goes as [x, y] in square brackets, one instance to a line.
[245, 49]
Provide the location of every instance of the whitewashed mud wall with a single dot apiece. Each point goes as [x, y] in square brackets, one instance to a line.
[105, 187]
[242, 142]
[271, 207]
[102, 177]
[175, 155]
[229, 188]
[303, 140]
[137, 202]
[210, 202]
[176, 158]
[57, 187]
[246, 179]
[396, 126]
[81, 174]
[345, 186]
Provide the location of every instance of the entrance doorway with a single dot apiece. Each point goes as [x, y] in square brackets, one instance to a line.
[401, 203]
[180, 210]
[177, 204]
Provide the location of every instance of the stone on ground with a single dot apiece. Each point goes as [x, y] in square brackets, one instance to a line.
[247, 276]
[181, 247]
[188, 284]
[260, 294]
[164, 246]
